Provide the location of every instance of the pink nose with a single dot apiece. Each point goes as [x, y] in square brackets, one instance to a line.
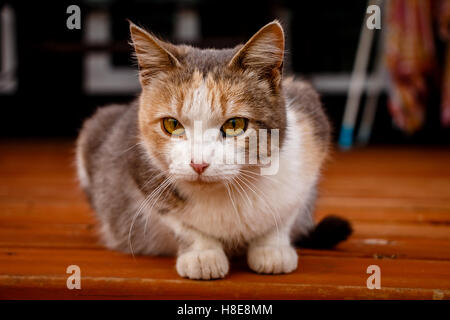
[199, 168]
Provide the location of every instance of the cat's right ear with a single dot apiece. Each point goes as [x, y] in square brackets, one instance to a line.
[153, 55]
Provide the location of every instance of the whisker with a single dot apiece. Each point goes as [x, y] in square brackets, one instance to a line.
[154, 177]
[132, 147]
[258, 175]
[156, 198]
[232, 201]
[143, 204]
[269, 207]
[243, 190]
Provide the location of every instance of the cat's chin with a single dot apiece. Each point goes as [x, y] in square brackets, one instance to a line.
[202, 180]
[206, 180]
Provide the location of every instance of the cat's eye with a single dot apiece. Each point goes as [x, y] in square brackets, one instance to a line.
[173, 127]
[234, 127]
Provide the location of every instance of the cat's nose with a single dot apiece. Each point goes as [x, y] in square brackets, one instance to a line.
[199, 168]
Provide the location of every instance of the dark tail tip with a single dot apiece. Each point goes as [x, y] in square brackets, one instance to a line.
[327, 233]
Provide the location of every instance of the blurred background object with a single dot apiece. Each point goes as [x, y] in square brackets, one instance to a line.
[416, 30]
[8, 82]
[52, 77]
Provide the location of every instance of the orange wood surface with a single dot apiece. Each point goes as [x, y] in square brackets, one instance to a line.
[398, 200]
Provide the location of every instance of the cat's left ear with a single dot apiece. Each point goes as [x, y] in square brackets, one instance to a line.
[263, 53]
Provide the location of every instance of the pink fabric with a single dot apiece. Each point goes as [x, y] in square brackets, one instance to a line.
[411, 59]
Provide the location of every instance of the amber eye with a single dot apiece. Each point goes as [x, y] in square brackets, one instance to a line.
[173, 126]
[234, 127]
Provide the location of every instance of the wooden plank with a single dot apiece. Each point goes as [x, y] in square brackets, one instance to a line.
[78, 211]
[368, 240]
[150, 277]
[398, 200]
[385, 210]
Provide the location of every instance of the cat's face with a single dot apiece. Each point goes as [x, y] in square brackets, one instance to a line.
[202, 112]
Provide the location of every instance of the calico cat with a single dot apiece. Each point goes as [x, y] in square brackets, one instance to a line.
[154, 196]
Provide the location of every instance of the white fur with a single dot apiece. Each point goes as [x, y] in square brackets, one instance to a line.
[272, 259]
[262, 215]
[203, 264]
[282, 194]
[203, 143]
[81, 168]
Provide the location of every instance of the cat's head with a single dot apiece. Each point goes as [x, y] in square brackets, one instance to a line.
[202, 113]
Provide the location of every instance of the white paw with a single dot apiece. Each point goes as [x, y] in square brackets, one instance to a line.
[204, 264]
[267, 259]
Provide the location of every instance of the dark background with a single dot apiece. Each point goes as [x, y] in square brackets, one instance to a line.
[50, 100]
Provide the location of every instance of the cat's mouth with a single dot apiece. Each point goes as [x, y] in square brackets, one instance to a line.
[201, 179]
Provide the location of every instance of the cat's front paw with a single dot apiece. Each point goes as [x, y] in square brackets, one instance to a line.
[272, 259]
[203, 265]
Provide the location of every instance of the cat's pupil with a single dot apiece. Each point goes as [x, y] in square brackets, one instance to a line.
[174, 123]
[233, 123]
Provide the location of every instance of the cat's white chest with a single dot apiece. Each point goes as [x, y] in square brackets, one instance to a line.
[234, 216]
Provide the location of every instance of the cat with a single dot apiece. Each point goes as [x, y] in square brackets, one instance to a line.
[153, 197]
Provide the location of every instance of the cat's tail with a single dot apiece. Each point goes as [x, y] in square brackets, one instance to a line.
[326, 234]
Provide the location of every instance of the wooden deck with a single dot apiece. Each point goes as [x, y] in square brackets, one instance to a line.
[398, 200]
